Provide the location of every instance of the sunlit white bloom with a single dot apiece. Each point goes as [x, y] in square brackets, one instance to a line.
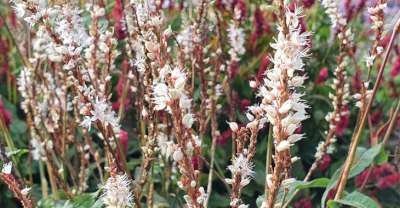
[37, 150]
[375, 12]
[117, 192]
[160, 96]
[236, 41]
[320, 150]
[102, 112]
[166, 146]
[332, 9]
[188, 120]
[370, 60]
[185, 38]
[7, 168]
[242, 166]
[19, 9]
[283, 145]
[178, 155]
[203, 196]
[233, 126]
[25, 191]
[290, 50]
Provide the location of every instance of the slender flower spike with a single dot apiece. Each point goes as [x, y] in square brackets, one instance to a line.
[117, 192]
[282, 104]
[241, 165]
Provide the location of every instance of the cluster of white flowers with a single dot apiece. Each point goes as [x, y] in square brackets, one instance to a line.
[185, 38]
[101, 112]
[377, 17]
[145, 23]
[332, 9]
[291, 110]
[170, 87]
[376, 12]
[236, 40]
[166, 146]
[322, 150]
[117, 192]
[7, 167]
[339, 100]
[243, 168]
[363, 97]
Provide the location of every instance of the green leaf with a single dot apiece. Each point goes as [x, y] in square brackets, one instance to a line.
[355, 199]
[18, 127]
[382, 157]
[84, 200]
[18, 153]
[293, 187]
[363, 159]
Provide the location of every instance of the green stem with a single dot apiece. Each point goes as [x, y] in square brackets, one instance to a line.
[268, 158]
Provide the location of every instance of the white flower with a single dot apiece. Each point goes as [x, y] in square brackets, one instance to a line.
[178, 155]
[290, 110]
[37, 148]
[319, 153]
[236, 41]
[188, 120]
[7, 168]
[285, 107]
[160, 96]
[102, 112]
[241, 165]
[203, 196]
[233, 126]
[282, 146]
[19, 9]
[185, 38]
[294, 159]
[332, 9]
[370, 60]
[166, 147]
[117, 192]
[25, 191]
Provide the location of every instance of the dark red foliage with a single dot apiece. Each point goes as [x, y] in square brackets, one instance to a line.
[395, 68]
[383, 176]
[322, 76]
[241, 6]
[123, 141]
[244, 103]
[118, 15]
[356, 82]
[260, 26]
[325, 162]
[4, 49]
[5, 115]
[343, 123]
[224, 137]
[299, 130]
[331, 194]
[303, 203]
[388, 181]
[262, 68]
[308, 3]
[376, 116]
[197, 162]
[233, 69]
